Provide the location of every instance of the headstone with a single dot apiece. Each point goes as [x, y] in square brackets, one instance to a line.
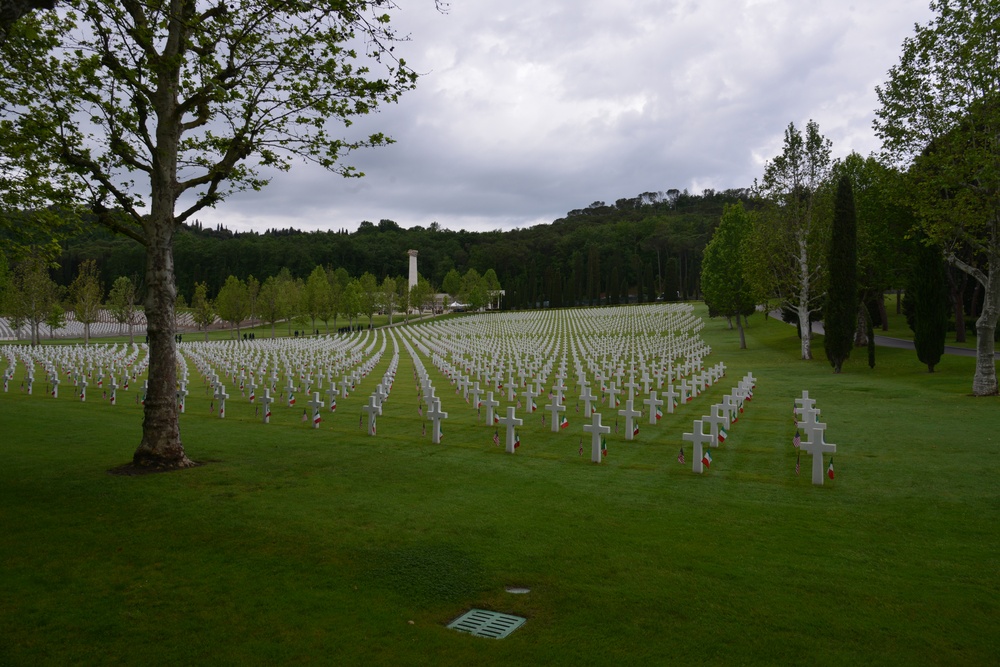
[435, 414]
[316, 404]
[653, 405]
[266, 404]
[698, 438]
[221, 396]
[597, 432]
[631, 415]
[511, 423]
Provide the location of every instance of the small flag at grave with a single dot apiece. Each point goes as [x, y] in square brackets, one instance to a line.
[723, 434]
[797, 440]
[680, 457]
[373, 424]
[291, 399]
[635, 430]
[564, 423]
[581, 446]
[333, 405]
[440, 434]
[604, 447]
[829, 471]
[517, 439]
[304, 416]
[659, 414]
[496, 438]
[496, 418]
[707, 459]
[316, 418]
[798, 463]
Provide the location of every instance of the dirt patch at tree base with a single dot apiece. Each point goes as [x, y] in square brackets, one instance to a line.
[132, 470]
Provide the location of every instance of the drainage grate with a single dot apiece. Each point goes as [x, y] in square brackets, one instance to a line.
[484, 623]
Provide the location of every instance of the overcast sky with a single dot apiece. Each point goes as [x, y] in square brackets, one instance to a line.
[530, 108]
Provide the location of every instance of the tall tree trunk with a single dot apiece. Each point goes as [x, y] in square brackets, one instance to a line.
[985, 381]
[805, 325]
[861, 331]
[161, 445]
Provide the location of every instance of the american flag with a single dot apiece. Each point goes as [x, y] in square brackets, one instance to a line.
[496, 437]
[680, 457]
[797, 440]
[798, 463]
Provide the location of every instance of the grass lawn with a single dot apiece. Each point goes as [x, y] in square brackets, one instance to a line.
[301, 546]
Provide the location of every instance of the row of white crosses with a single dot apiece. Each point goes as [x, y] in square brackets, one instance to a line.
[309, 361]
[457, 351]
[84, 366]
[489, 366]
[807, 419]
[721, 416]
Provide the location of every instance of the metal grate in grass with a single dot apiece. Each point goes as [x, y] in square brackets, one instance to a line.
[482, 623]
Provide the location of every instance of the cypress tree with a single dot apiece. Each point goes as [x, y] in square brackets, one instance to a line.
[927, 305]
[840, 314]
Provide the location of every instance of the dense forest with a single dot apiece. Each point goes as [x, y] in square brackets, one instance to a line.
[634, 249]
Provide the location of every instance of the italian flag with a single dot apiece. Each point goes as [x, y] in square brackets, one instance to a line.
[635, 430]
[604, 447]
[659, 414]
[517, 439]
[723, 434]
[496, 418]
[707, 459]
[564, 423]
[829, 470]
[253, 395]
[316, 418]
[291, 399]
[333, 405]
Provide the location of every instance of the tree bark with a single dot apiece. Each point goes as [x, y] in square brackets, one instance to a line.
[161, 445]
[805, 326]
[984, 383]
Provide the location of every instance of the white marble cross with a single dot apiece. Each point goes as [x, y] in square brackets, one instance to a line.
[316, 404]
[511, 423]
[555, 408]
[630, 414]
[81, 387]
[182, 393]
[815, 444]
[113, 385]
[597, 432]
[221, 396]
[653, 405]
[374, 408]
[435, 415]
[490, 404]
[670, 397]
[587, 399]
[266, 401]
[698, 438]
[529, 398]
[714, 421]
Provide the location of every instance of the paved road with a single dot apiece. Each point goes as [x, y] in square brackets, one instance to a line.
[899, 343]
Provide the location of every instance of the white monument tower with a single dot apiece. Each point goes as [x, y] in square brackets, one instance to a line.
[413, 267]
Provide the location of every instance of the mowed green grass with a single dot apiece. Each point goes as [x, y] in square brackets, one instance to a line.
[300, 546]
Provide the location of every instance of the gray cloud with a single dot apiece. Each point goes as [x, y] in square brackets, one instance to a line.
[527, 110]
